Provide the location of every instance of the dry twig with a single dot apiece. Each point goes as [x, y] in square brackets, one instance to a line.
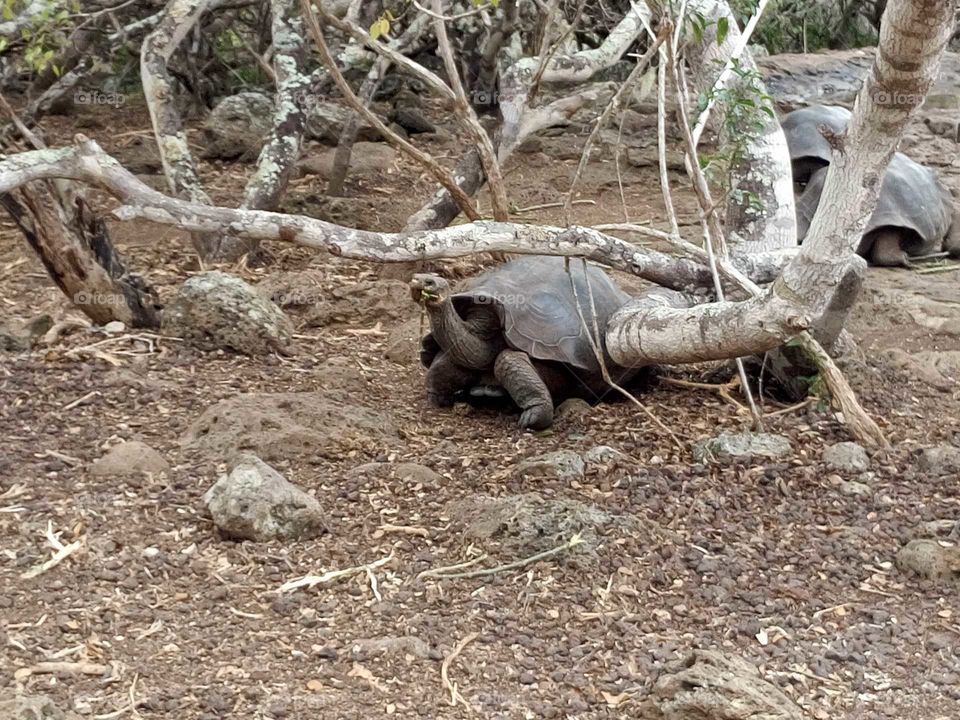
[455, 695]
[515, 565]
[61, 554]
[331, 575]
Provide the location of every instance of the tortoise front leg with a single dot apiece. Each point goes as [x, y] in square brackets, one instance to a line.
[883, 248]
[445, 379]
[521, 380]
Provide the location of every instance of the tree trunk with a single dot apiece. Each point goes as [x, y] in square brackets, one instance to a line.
[760, 204]
[348, 136]
[74, 246]
[283, 148]
[158, 47]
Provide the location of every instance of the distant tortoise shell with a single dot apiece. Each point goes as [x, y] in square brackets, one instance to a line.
[534, 300]
[809, 149]
[911, 198]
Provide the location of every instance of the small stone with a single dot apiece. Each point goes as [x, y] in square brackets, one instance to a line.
[941, 460]
[931, 560]
[933, 528]
[846, 457]
[527, 678]
[255, 502]
[730, 446]
[114, 328]
[944, 125]
[130, 458]
[532, 144]
[573, 409]
[852, 488]
[715, 685]
[366, 157]
[603, 455]
[238, 126]
[563, 465]
[319, 165]
[31, 707]
[325, 122]
[417, 474]
[412, 120]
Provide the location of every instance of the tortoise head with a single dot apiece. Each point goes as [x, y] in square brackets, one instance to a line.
[429, 289]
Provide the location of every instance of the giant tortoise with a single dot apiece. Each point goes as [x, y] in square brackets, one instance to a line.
[915, 214]
[518, 328]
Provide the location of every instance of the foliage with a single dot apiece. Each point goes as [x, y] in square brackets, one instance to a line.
[234, 51]
[748, 109]
[810, 25]
[47, 33]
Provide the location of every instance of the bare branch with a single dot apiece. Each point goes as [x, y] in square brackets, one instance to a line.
[427, 162]
[612, 107]
[468, 118]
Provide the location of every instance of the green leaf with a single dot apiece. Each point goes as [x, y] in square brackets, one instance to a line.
[723, 28]
[380, 28]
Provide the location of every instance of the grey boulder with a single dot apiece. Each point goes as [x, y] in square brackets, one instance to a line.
[846, 457]
[255, 502]
[130, 458]
[217, 311]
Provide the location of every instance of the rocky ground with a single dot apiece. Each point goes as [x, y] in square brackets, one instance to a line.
[789, 568]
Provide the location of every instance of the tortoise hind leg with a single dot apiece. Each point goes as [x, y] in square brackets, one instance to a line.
[445, 379]
[520, 379]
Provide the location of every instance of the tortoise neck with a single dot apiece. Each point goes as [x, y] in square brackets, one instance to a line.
[469, 343]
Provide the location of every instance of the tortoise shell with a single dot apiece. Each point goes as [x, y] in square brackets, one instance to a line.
[809, 149]
[911, 198]
[534, 299]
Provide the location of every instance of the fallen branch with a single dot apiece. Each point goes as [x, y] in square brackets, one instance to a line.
[332, 575]
[573, 542]
[87, 162]
[70, 668]
[455, 695]
[61, 554]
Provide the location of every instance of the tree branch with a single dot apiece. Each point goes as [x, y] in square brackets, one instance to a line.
[427, 162]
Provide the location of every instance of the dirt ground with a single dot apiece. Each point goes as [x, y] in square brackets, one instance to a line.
[774, 562]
